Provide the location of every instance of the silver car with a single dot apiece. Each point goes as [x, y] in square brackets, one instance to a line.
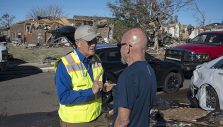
[206, 88]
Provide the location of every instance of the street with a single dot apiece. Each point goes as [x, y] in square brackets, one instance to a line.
[32, 98]
[36, 93]
[26, 98]
[29, 94]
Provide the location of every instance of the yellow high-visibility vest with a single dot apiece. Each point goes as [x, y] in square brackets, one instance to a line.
[81, 80]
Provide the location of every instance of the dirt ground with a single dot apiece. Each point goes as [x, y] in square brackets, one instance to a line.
[186, 117]
[176, 111]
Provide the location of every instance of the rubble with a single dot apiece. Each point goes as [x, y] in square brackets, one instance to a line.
[169, 113]
[214, 118]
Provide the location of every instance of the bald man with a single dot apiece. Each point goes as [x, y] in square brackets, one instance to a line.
[136, 87]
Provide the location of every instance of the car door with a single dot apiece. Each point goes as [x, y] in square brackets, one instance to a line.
[217, 45]
[156, 65]
[111, 60]
[217, 70]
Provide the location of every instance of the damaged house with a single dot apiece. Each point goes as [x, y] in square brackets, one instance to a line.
[34, 32]
[101, 23]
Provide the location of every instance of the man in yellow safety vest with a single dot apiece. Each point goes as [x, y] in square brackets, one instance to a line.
[79, 82]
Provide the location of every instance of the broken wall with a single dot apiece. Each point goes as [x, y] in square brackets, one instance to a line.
[101, 23]
[17, 30]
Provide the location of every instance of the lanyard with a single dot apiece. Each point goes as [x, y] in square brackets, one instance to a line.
[87, 69]
[82, 69]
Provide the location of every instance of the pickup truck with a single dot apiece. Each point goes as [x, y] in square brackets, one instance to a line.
[204, 47]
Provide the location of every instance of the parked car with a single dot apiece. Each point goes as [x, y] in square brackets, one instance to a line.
[203, 48]
[65, 34]
[170, 75]
[3, 57]
[206, 88]
[215, 24]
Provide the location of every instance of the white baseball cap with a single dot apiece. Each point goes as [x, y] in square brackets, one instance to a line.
[86, 33]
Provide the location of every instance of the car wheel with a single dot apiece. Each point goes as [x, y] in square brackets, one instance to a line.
[212, 100]
[193, 101]
[172, 82]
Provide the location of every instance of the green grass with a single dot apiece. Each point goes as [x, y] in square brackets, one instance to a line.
[36, 55]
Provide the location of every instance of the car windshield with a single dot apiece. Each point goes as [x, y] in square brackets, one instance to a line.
[209, 39]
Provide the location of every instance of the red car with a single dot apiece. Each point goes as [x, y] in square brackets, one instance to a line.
[204, 47]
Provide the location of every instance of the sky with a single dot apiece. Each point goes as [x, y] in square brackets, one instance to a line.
[20, 8]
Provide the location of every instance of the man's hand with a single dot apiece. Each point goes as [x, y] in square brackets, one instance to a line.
[97, 85]
[122, 119]
[108, 86]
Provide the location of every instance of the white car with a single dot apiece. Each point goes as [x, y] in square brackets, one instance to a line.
[206, 88]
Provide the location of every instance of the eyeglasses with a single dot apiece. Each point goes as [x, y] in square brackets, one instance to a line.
[94, 41]
[121, 44]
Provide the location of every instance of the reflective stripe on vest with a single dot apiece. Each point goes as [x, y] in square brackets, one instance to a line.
[86, 112]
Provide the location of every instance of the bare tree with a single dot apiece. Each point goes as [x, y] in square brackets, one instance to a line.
[6, 20]
[52, 11]
[35, 12]
[201, 15]
[150, 15]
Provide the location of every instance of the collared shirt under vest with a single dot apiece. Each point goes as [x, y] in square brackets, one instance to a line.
[85, 112]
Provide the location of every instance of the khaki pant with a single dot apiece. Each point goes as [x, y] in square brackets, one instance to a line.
[101, 121]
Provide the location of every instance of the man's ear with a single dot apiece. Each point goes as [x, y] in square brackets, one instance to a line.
[128, 49]
[78, 44]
